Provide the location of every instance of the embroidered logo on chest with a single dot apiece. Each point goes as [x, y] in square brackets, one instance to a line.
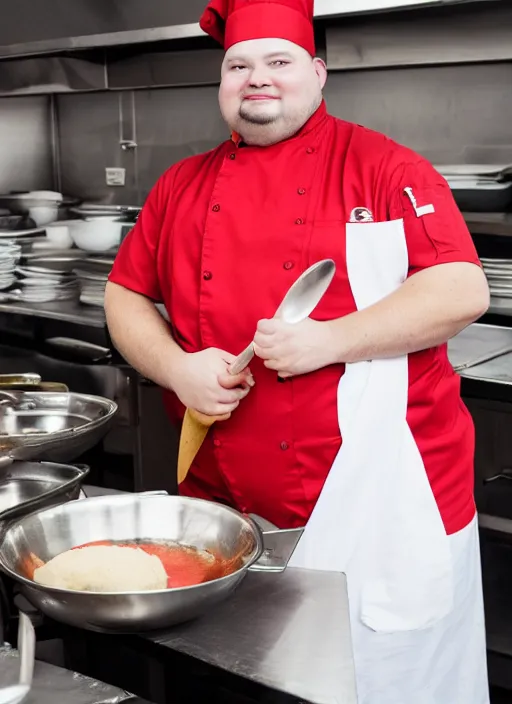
[361, 215]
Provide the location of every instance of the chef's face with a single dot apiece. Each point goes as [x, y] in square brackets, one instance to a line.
[269, 89]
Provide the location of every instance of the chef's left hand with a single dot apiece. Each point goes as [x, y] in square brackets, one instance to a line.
[292, 349]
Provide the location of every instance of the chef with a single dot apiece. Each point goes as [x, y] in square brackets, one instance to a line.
[367, 442]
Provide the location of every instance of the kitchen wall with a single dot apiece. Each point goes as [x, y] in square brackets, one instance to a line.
[25, 143]
[449, 112]
[166, 124]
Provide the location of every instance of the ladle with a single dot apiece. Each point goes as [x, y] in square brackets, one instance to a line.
[300, 300]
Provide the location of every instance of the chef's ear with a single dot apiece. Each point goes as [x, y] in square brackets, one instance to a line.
[321, 70]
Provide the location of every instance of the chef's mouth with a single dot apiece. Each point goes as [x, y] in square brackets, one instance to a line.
[257, 97]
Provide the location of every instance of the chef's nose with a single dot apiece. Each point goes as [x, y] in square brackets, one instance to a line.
[259, 77]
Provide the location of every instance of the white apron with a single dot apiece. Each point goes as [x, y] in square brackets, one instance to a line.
[415, 594]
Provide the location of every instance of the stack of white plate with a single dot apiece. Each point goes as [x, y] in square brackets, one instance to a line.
[39, 284]
[499, 276]
[480, 187]
[92, 287]
[9, 256]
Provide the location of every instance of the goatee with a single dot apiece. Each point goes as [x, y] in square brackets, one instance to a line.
[246, 116]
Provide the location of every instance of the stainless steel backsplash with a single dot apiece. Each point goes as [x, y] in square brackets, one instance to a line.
[452, 112]
[25, 152]
[447, 113]
[167, 125]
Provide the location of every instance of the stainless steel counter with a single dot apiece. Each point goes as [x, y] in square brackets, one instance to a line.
[496, 371]
[477, 344]
[67, 311]
[54, 685]
[483, 353]
[489, 223]
[289, 632]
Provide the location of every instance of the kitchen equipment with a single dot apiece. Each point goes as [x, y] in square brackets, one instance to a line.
[21, 203]
[19, 235]
[8, 258]
[300, 300]
[36, 282]
[478, 343]
[60, 261]
[100, 209]
[92, 278]
[43, 214]
[481, 196]
[127, 517]
[10, 222]
[57, 234]
[11, 380]
[27, 649]
[33, 382]
[499, 276]
[51, 426]
[26, 487]
[480, 188]
[470, 171]
[96, 234]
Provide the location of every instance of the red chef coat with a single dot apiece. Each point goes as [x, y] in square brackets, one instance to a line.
[221, 238]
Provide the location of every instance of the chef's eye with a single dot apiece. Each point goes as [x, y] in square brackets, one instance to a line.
[279, 62]
[238, 67]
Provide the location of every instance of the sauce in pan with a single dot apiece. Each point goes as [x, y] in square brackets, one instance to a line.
[185, 566]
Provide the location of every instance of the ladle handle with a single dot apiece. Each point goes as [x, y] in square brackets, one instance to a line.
[242, 361]
[27, 648]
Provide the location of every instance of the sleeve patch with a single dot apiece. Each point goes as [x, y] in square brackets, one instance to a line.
[420, 210]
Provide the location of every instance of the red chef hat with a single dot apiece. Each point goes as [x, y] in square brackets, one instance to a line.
[233, 21]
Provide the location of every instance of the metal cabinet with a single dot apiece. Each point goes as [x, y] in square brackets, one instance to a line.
[493, 456]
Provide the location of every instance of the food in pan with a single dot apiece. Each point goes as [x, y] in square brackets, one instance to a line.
[131, 566]
[103, 568]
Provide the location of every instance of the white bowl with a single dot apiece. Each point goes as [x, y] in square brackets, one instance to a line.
[95, 235]
[43, 214]
[50, 196]
[58, 235]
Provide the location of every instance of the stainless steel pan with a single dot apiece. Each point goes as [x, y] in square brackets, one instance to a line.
[127, 517]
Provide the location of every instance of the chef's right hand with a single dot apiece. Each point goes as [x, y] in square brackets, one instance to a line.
[202, 382]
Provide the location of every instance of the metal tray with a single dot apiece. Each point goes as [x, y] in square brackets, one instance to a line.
[477, 344]
[31, 486]
[496, 371]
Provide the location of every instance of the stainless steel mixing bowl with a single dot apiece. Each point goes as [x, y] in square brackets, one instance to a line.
[26, 487]
[51, 426]
[192, 522]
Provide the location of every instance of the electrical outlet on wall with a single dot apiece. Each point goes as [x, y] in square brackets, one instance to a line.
[115, 176]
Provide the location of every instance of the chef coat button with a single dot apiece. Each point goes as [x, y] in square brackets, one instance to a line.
[284, 445]
[216, 208]
[288, 265]
[310, 150]
[207, 275]
[301, 191]
[216, 442]
[299, 221]
[232, 156]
